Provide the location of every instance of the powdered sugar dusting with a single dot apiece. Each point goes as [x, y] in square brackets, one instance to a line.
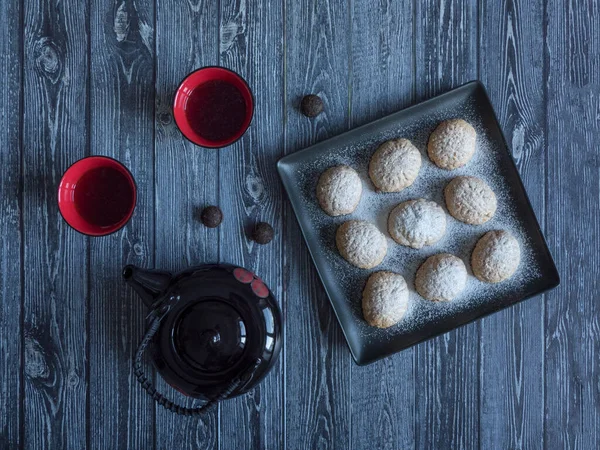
[423, 316]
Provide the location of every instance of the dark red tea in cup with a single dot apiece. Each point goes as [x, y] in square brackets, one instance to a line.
[97, 195]
[213, 107]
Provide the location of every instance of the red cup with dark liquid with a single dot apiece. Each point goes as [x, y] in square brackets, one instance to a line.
[213, 107]
[97, 195]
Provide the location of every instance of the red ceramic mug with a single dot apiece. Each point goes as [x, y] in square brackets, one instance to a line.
[213, 107]
[97, 195]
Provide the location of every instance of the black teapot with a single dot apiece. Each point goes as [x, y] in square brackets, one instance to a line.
[213, 331]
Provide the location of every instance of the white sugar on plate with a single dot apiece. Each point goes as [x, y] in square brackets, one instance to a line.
[478, 298]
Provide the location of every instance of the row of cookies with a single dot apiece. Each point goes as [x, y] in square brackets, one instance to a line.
[442, 277]
[395, 166]
[396, 163]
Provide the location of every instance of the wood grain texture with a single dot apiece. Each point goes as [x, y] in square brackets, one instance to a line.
[573, 222]
[250, 193]
[382, 394]
[317, 371]
[55, 288]
[11, 96]
[512, 342]
[121, 126]
[98, 77]
[445, 46]
[447, 405]
[186, 181]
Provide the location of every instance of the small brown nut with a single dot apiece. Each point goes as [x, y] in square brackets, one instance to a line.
[263, 233]
[211, 216]
[311, 105]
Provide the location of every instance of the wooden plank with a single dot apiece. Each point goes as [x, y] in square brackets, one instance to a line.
[573, 222]
[55, 292]
[512, 342]
[11, 281]
[382, 394]
[382, 79]
[446, 45]
[318, 361]
[186, 181]
[252, 44]
[447, 367]
[121, 126]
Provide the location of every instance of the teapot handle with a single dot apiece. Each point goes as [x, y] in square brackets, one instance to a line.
[157, 316]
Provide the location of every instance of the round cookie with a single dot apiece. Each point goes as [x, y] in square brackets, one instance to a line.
[496, 256]
[394, 165]
[452, 144]
[470, 200]
[384, 299]
[361, 243]
[417, 223]
[339, 190]
[441, 277]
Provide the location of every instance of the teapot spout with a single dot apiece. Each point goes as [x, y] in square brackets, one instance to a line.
[149, 284]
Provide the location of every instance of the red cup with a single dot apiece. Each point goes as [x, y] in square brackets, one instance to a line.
[184, 113]
[97, 196]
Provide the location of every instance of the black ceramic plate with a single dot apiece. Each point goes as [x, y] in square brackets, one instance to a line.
[492, 162]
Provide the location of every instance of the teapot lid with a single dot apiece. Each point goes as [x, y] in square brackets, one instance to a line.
[210, 336]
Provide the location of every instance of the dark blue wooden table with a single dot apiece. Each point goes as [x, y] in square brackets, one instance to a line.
[79, 78]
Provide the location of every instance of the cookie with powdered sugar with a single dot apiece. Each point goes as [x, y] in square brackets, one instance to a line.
[361, 243]
[470, 200]
[441, 277]
[339, 190]
[395, 165]
[417, 223]
[496, 256]
[384, 299]
[452, 144]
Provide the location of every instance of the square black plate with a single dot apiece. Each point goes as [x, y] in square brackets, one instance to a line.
[492, 162]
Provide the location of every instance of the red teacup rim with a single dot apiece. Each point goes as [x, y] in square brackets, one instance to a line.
[66, 194]
[195, 79]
